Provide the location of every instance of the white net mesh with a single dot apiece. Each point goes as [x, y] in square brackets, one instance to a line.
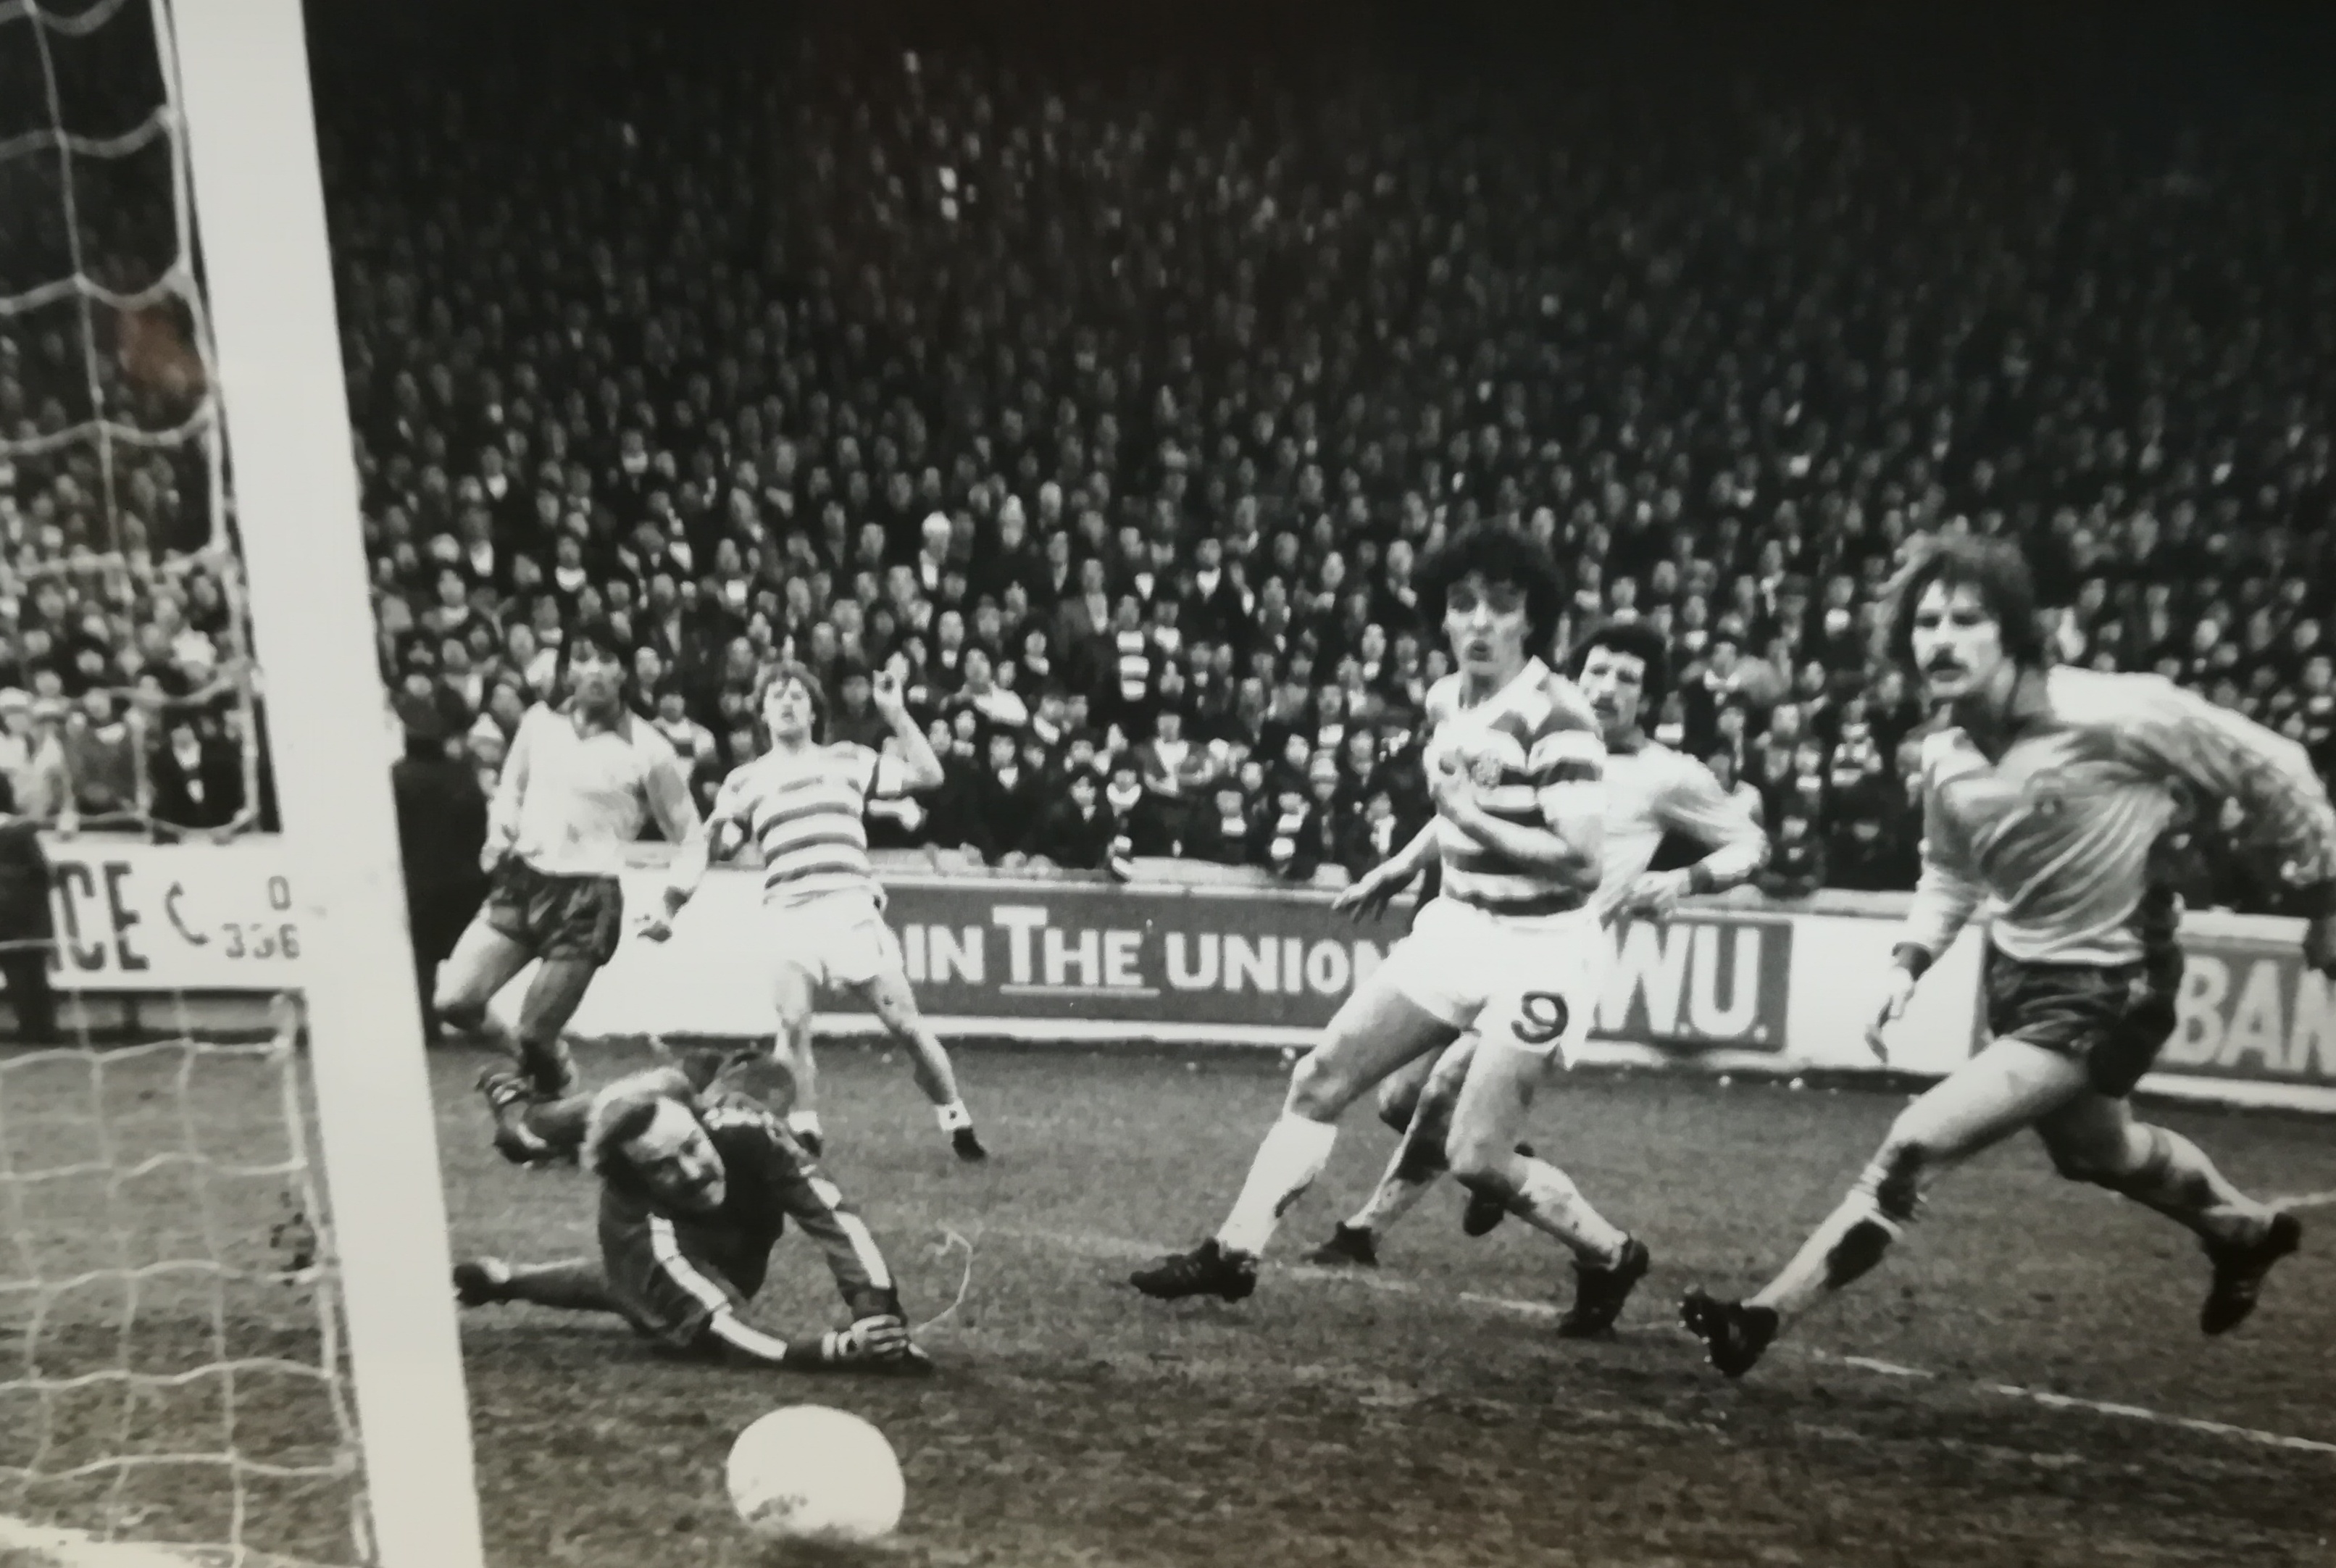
[120, 593]
[171, 1365]
[172, 1369]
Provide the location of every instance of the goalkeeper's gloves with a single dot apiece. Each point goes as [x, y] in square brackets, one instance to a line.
[877, 1343]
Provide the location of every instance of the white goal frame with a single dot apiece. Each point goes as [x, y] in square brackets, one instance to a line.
[241, 78]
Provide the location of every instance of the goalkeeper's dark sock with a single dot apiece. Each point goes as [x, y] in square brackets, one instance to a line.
[578, 1285]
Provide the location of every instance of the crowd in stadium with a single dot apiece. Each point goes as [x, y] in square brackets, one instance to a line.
[1116, 406]
[127, 696]
[1119, 409]
[126, 690]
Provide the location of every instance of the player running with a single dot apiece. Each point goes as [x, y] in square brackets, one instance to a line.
[1651, 790]
[2050, 789]
[576, 788]
[802, 804]
[696, 1184]
[1508, 948]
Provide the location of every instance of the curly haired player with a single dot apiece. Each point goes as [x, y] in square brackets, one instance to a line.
[1508, 948]
[2049, 790]
[1651, 790]
[696, 1184]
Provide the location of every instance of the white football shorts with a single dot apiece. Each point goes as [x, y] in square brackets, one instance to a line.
[1529, 984]
[838, 938]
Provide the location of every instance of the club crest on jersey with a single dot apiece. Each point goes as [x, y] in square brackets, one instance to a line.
[1484, 770]
[2046, 794]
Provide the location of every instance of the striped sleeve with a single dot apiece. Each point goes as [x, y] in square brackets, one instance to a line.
[793, 1185]
[1565, 761]
[860, 767]
[665, 1246]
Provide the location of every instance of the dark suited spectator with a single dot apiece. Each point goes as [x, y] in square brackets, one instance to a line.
[1796, 866]
[1860, 857]
[1213, 610]
[1147, 829]
[27, 923]
[1219, 831]
[953, 806]
[196, 779]
[1013, 559]
[1287, 834]
[1371, 835]
[442, 826]
[1328, 831]
[1010, 797]
[1077, 831]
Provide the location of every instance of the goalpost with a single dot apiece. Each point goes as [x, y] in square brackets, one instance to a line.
[226, 1332]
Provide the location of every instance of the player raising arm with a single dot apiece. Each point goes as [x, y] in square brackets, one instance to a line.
[1514, 766]
[2049, 789]
[578, 787]
[1622, 669]
[696, 1184]
[802, 804]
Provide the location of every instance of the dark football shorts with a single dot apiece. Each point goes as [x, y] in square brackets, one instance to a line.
[557, 916]
[668, 1289]
[2114, 1020]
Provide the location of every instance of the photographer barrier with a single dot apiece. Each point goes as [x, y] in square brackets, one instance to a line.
[1193, 954]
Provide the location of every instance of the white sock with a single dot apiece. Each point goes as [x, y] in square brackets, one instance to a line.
[800, 1121]
[953, 1116]
[1850, 1242]
[1293, 1153]
[1548, 1200]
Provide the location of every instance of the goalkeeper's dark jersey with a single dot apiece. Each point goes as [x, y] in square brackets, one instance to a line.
[674, 1270]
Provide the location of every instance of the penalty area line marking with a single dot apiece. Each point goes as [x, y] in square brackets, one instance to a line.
[1121, 1249]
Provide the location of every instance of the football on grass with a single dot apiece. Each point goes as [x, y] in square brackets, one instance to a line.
[809, 1473]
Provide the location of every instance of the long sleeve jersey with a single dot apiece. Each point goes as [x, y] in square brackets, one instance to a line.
[2060, 829]
[1654, 790]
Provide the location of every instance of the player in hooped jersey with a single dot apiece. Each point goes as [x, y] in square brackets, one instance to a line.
[801, 805]
[1508, 947]
[698, 1183]
[579, 783]
[2049, 791]
[1651, 790]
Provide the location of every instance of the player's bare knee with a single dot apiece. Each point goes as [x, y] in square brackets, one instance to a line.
[1319, 1088]
[461, 1015]
[1397, 1103]
[2075, 1162]
[1480, 1164]
[2136, 1157]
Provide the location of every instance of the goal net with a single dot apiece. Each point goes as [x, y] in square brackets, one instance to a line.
[174, 1384]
